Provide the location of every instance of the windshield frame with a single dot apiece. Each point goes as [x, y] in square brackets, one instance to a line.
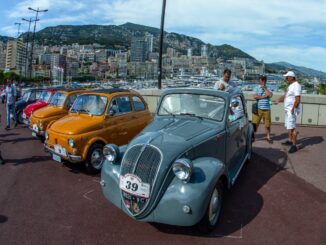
[191, 113]
[85, 110]
[54, 97]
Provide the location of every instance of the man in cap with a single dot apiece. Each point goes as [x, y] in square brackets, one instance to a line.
[262, 96]
[291, 99]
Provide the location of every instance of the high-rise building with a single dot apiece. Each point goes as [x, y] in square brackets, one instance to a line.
[189, 52]
[149, 39]
[204, 50]
[15, 56]
[138, 49]
[2, 56]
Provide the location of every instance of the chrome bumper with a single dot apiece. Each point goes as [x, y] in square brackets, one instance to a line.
[26, 121]
[38, 133]
[70, 158]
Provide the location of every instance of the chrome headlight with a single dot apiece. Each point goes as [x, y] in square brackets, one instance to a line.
[71, 142]
[182, 168]
[46, 135]
[111, 152]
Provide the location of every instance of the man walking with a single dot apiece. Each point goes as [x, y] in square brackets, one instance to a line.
[10, 93]
[262, 96]
[291, 99]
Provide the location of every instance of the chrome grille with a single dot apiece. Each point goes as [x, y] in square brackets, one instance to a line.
[144, 162]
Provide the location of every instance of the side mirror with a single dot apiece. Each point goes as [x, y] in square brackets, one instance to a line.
[234, 103]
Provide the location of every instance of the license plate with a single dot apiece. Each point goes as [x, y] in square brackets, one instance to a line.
[133, 185]
[56, 158]
[24, 115]
[34, 134]
[60, 150]
[35, 128]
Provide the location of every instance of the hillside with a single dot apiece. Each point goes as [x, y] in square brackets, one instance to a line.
[282, 67]
[119, 36]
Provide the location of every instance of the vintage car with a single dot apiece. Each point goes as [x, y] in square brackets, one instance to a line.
[58, 107]
[177, 169]
[29, 97]
[97, 118]
[42, 101]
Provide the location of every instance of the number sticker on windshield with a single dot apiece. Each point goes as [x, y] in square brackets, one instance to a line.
[133, 185]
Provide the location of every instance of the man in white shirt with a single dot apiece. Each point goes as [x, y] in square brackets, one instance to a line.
[291, 99]
[224, 83]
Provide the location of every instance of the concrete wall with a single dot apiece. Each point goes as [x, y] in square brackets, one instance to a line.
[313, 107]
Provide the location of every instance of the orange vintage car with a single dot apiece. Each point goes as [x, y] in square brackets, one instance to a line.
[97, 118]
[58, 107]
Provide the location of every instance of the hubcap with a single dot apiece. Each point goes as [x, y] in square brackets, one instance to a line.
[97, 158]
[214, 207]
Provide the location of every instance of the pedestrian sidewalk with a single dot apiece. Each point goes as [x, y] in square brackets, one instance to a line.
[308, 163]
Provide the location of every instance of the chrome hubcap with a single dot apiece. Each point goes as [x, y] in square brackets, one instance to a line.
[97, 158]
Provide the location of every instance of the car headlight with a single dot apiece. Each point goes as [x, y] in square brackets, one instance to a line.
[46, 135]
[71, 142]
[111, 152]
[182, 169]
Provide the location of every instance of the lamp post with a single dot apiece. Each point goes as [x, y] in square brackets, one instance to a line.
[31, 57]
[161, 46]
[19, 24]
[27, 42]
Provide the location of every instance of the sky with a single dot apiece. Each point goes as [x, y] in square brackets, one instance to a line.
[293, 31]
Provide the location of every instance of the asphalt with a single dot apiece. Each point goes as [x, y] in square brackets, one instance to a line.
[278, 198]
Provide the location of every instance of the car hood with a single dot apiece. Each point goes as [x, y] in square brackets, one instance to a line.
[34, 106]
[49, 111]
[77, 124]
[177, 135]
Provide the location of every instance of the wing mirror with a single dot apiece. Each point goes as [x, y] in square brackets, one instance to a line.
[234, 103]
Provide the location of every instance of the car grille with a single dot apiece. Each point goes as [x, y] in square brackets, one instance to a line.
[142, 161]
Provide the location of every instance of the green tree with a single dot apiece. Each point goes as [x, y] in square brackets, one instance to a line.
[322, 89]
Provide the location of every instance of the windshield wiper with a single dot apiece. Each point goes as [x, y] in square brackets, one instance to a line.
[190, 114]
[168, 112]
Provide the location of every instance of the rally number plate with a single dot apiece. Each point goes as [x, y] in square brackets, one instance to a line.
[60, 150]
[35, 128]
[133, 185]
[56, 158]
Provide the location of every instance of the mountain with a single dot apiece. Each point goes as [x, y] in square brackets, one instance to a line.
[283, 67]
[120, 36]
[5, 38]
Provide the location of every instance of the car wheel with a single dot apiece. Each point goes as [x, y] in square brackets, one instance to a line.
[94, 160]
[249, 148]
[20, 117]
[213, 211]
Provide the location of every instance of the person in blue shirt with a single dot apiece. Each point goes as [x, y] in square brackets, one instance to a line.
[10, 93]
[263, 97]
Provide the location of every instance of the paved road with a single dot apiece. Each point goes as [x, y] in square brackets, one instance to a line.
[44, 202]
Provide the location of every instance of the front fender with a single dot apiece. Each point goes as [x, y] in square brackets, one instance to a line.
[90, 142]
[195, 193]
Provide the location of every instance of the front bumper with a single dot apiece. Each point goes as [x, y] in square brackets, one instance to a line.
[40, 133]
[25, 121]
[67, 156]
[170, 209]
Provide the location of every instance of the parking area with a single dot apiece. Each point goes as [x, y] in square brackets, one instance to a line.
[276, 200]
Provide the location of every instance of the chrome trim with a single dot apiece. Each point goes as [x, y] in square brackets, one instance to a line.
[154, 181]
[70, 158]
[39, 133]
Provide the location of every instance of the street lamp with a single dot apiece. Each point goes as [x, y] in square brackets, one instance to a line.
[161, 47]
[19, 24]
[31, 57]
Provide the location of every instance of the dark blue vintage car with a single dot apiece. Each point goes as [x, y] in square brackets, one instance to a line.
[177, 169]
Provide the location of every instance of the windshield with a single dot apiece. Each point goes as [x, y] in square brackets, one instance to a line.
[58, 99]
[26, 96]
[45, 96]
[90, 104]
[198, 105]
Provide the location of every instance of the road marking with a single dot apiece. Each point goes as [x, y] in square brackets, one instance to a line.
[85, 195]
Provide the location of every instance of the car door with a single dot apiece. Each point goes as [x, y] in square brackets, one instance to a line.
[117, 120]
[140, 116]
[236, 136]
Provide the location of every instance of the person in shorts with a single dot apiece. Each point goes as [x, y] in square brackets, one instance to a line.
[262, 96]
[291, 99]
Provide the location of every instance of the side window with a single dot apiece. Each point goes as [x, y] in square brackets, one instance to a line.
[120, 105]
[138, 103]
[236, 109]
[71, 100]
[34, 96]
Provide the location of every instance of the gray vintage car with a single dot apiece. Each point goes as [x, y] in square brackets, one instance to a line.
[177, 169]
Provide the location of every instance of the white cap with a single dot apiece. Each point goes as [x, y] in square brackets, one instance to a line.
[289, 74]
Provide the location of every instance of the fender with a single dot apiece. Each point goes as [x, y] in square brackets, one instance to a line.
[90, 142]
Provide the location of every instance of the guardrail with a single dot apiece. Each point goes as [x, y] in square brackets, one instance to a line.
[313, 107]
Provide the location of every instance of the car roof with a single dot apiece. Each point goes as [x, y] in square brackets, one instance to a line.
[108, 91]
[214, 92]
